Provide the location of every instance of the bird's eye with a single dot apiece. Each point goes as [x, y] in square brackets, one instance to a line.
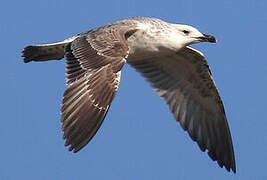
[186, 32]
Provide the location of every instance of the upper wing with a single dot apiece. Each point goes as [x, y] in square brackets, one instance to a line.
[185, 82]
[93, 68]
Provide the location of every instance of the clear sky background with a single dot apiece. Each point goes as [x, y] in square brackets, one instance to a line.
[139, 138]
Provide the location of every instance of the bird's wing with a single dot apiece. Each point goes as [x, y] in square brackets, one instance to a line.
[185, 82]
[93, 69]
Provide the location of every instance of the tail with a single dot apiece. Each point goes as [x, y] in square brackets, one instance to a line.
[46, 52]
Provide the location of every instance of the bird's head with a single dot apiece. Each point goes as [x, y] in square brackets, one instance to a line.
[190, 35]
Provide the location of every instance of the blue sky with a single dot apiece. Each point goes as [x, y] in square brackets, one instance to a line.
[139, 138]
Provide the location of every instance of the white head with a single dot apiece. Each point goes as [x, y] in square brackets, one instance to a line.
[163, 37]
[190, 35]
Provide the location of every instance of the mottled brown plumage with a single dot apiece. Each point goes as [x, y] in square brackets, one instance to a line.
[160, 52]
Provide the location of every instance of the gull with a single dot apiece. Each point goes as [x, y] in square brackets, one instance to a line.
[160, 52]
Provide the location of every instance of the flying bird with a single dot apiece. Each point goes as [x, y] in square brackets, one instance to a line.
[160, 52]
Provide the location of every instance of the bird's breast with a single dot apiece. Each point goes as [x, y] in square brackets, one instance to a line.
[144, 45]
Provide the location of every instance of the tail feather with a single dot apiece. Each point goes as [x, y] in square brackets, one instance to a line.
[45, 52]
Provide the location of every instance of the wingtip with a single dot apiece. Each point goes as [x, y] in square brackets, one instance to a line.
[67, 143]
[233, 168]
[72, 148]
[228, 167]
[234, 171]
